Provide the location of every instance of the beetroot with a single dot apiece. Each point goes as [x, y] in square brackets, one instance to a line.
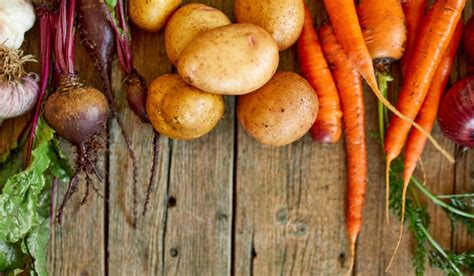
[74, 111]
[98, 38]
[136, 88]
[136, 95]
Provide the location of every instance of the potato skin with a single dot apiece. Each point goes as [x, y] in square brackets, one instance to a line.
[230, 60]
[280, 112]
[151, 15]
[283, 19]
[187, 23]
[181, 111]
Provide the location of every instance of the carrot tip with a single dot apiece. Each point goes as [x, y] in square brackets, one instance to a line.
[387, 191]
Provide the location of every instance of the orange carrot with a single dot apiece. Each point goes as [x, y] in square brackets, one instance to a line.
[427, 115]
[349, 34]
[350, 88]
[313, 65]
[384, 31]
[414, 11]
[435, 35]
[426, 118]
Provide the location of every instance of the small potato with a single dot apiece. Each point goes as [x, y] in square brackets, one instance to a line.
[151, 15]
[280, 112]
[283, 19]
[181, 111]
[187, 23]
[231, 60]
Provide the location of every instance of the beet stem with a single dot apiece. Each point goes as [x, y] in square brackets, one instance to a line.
[47, 21]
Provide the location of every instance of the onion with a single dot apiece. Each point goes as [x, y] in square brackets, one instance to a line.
[456, 113]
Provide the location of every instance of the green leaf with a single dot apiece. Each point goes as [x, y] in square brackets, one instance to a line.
[37, 243]
[11, 257]
[11, 166]
[19, 198]
[25, 201]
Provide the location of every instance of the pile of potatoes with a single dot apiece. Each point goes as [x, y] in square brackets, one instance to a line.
[215, 57]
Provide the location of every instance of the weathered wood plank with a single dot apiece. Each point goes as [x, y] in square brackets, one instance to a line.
[78, 245]
[137, 251]
[199, 225]
[289, 208]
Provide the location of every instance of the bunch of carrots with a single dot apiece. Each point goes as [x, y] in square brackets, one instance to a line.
[360, 43]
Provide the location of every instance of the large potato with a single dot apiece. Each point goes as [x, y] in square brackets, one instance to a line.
[181, 111]
[280, 112]
[231, 60]
[283, 19]
[187, 23]
[151, 15]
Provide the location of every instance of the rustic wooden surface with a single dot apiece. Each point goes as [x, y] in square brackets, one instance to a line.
[224, 204]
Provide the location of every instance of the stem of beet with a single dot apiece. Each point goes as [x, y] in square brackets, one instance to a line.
[47, 21]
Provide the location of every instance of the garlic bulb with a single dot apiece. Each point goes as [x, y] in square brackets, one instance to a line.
[16, 17]
[17, 98]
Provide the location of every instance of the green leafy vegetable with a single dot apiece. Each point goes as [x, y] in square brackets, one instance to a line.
[25, 201]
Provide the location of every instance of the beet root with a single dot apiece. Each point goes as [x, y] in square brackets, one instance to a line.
[76, 112]
[136, 95]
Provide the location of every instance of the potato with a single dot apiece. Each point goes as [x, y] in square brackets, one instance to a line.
[280, 112]
[181, 111]
[231, 60]
[151, 15]
[283, 19]
[187, 23]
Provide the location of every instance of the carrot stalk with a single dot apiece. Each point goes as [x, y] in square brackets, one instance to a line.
[350, 88]
[426, 118]
[346, 26]
[383, 79]
[414, 11]
[313, 65]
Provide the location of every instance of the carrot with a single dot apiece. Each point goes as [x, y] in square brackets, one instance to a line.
[435, 35]
[313, 65]
[414, 11]
[384, 31]
[348, 32]
[350, 87]
[426, 117]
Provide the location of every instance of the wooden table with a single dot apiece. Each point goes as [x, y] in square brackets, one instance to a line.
[225, 204]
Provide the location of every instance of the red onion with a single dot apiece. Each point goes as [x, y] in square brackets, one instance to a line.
[456, 113]
[468, 39]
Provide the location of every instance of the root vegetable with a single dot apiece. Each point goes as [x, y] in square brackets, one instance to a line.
[18, 90]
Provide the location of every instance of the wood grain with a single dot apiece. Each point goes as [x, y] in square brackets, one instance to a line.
[288, 206]
[137, 251]
[226, 205]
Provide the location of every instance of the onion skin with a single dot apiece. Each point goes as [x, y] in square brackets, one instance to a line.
[456, 113]
[18, 98]
[468, 39]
